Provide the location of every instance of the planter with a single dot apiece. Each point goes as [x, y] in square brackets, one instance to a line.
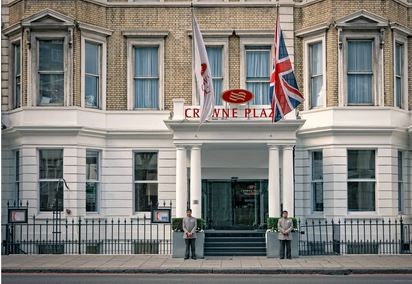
[273, 244]
[179, 246]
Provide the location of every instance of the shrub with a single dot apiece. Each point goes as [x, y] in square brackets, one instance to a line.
[273, 223]
[178, 227]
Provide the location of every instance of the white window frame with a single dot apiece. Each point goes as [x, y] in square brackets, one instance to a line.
[12, 78]
[211, 41]
[313, 181]
[401, 39]
[144, 181]
[348, 180]
[99, 39]
[306, 70]
[248, 41]
[131, 43]
[377, 67]
[97, 181]
[33, 63]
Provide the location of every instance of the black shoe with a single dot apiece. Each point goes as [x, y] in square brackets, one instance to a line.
[194, 258]
[281, 258]
[186, 258]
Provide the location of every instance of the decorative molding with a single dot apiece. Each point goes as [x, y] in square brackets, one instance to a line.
[400, 28]
[13, 29]
[145, 34]
[317, 29]
[94, 29]
[362, 20]
[48, 19]
[255, 33]
[214, 33]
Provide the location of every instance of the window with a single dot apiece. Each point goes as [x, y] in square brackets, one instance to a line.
[359, 72]
[316, 74]
[92, 74]
[398, 74]
[361, 180]
[146, 77]
[145, 176]
[317, 180]
[51, 189]
[16, 75]
[400, 182]
[51, 72]
[92, 180]
[17, 176]
[258, 72]
[215, 56]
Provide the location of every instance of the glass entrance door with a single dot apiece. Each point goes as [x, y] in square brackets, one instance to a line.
[240, 204]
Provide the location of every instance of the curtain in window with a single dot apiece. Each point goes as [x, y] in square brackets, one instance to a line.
[360, 72]
[146, 77]
[316, 74]
[215, 60]
[51, 72]
[92, 61]
[398, 74]
[257, 75]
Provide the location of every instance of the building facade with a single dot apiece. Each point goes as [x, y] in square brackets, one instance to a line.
[101, 93]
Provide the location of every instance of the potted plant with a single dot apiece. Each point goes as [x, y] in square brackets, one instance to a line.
[179, 246]
[272, 241]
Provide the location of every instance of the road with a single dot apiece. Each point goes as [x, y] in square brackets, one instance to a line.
[199, 278]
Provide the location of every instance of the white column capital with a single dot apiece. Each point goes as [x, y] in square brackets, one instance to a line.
[288, 147]
[273, 146]
[195, 146]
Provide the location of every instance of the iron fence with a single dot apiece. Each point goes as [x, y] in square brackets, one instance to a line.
[87, 236]
[355, 236]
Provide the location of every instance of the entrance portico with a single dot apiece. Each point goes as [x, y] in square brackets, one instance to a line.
[232, 144]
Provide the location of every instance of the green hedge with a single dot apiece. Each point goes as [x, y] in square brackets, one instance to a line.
[178, 227]
[273, 223]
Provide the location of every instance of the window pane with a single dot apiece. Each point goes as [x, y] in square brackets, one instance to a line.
[317, 189]
[217, 87]
[257, 73]
[316, 85]
[51, 88]
[360, 89]
[92, 165]
[50, 195]
[17, 59]
[361, 196]
[145, 166]
[91, 196]
[316, 59]
[92, 58]
[361, 164]
[261, 93]
[51, 55]
[147, 93]
[398, 87]
[400, 166]
[214, 55]
[145, 196]
[317, 165]
[51, 164]
[398, 59]
[359, 56]
[146, 61]
[91, 90]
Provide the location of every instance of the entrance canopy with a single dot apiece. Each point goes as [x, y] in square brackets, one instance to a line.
[225, 132]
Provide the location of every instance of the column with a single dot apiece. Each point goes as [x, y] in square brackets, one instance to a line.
[288, 186]
[195, 181]
[181, 181]
[273, 184]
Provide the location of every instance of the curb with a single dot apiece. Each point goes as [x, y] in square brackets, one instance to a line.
[333, 271]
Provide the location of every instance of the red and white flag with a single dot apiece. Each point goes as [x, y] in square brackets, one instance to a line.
[203, 75]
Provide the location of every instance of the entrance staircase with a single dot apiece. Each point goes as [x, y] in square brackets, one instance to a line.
[235, 243]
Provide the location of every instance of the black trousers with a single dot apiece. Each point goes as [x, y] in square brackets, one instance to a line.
[190, 243]
[283, 244]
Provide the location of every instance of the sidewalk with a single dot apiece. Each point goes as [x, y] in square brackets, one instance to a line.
[356, 264]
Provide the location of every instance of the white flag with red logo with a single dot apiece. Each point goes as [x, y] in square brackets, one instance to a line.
[203, 75]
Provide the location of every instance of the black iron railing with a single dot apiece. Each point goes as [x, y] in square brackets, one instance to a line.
[87, 236]
[355, 236]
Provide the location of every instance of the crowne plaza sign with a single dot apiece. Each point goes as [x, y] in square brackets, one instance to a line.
[238, 97]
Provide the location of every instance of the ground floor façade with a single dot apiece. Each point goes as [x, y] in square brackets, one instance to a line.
[334, 163]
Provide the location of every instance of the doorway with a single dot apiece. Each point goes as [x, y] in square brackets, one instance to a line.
[235, 204]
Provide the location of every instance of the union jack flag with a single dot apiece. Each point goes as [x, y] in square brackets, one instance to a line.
[284, 93]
